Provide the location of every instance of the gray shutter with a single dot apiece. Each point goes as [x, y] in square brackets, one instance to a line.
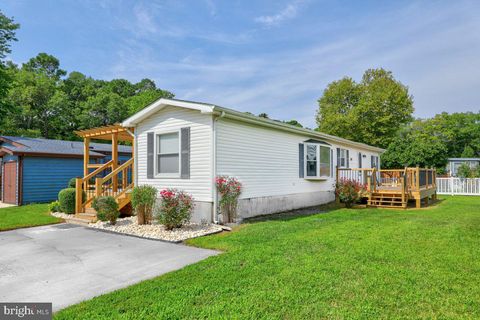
[185, 146]
[360, 160]
[150, 142]
[301, 165]
[372, 162]
[331, 162]
[348, 159]
[338, 157]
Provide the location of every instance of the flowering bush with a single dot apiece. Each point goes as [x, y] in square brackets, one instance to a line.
[349, 191]
[229, 189]
[175, 208]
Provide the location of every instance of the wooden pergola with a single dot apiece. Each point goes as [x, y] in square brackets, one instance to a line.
[115, 133]
[109, 183]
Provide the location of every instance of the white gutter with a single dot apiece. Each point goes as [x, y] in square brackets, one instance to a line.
[214, 165]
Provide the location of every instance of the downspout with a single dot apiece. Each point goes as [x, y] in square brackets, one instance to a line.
[214, 165]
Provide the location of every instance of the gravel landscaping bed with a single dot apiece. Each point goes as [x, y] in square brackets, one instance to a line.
[157, 231]
[62, 215]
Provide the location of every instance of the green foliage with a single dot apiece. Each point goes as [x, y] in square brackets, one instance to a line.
[175, 208]
[143, 202]
[294, 123]
[466, 171]
[107, 209]
[371, 111]
[340, 264]
[8, 29]
[430, 142]
[66, 198]
[72, 183]
[229, 189]
[54, 206]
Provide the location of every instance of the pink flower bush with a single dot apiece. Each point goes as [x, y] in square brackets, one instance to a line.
[349, 191]
[230, 189]
[175, 208]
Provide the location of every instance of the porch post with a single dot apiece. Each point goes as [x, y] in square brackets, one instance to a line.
[86, 155]
[115, 161]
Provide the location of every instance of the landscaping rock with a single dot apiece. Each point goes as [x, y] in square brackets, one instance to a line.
[157, 231]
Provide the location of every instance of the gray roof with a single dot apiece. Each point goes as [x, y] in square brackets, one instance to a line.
[60, 147]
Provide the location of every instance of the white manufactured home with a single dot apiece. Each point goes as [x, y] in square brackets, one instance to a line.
[185, 145]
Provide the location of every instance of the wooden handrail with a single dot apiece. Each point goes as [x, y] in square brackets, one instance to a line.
[117, 170]
[97, 171]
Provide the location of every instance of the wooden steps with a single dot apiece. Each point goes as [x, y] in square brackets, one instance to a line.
[387, 200]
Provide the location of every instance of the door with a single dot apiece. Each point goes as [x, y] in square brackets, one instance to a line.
[10, 182]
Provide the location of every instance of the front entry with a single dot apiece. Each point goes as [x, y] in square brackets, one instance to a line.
[10, 182]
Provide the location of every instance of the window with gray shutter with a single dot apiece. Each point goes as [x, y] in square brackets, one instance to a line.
[185, 159]
[300, 160]
[150, 146]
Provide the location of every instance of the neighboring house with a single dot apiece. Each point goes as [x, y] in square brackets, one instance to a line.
[454, 163]
[34, 170]
[185, 145]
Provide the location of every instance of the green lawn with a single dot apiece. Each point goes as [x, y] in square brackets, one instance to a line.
[358, 263]
[26, 216]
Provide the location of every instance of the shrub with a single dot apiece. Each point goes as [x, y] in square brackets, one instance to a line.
[107, 209]
[72, 183]
[229, 189]
[175, 208]
[349, 191]
[54, 206]
[143, 201]
[66, 198]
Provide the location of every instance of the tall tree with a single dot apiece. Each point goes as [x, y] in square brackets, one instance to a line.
[371, 111]
[7, 35]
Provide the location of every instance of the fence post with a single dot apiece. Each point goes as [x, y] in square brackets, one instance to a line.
[451, 186]
[78, 195]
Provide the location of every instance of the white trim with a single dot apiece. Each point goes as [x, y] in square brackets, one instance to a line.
[318, 161]
[160, 104]
[155, 158]
[345, 166]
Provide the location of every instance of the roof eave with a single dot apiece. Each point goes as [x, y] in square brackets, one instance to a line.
[160, 104]
[241, 116]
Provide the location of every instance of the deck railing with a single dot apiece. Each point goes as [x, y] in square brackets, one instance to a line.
[459, 186]
[407, 179]
[115, 182]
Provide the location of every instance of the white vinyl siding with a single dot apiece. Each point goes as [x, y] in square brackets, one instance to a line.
[172, 119]
[266, 160]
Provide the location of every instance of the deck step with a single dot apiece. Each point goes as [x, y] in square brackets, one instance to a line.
[81, 219]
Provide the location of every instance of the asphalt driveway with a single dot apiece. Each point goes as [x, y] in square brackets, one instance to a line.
[65, 264]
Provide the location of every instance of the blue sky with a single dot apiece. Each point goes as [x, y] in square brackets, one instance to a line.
[263, 56]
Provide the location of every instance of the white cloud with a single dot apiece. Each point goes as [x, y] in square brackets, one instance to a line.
[289, 12]
[434, 55]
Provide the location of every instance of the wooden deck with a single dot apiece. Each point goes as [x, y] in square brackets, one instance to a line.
[394, 188]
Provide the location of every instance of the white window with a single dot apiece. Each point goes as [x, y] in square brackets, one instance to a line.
[343, 158]
[317, 161]
[168, 154]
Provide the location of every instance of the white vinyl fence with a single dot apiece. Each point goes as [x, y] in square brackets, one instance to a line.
[460, 186]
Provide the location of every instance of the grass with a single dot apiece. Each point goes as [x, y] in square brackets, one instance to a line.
[26, 216]
[356, 264]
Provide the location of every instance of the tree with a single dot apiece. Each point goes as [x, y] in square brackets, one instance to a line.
[372, 111]
[46, 64]
[263, 115]
[294, 123]
[7, 36]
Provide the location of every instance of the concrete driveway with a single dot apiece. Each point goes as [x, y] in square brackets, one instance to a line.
[65, 264]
